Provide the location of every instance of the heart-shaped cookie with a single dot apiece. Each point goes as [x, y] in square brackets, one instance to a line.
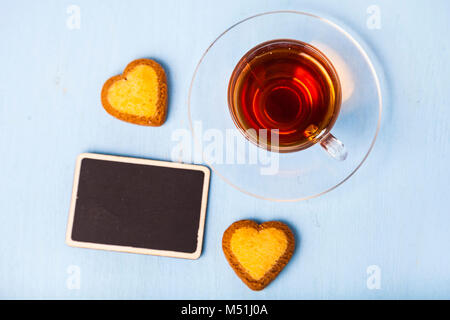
[258, 252]
[139, 95]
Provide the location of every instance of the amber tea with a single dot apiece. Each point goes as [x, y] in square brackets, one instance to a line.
[290, 89]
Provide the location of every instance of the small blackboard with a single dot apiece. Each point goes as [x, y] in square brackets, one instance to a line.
[138, 205]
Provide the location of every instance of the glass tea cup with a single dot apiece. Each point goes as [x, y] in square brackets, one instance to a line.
[284, 95]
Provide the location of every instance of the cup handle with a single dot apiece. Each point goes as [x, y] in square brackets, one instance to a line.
[334, 147]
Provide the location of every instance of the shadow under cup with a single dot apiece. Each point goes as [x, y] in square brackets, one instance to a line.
[285, 95]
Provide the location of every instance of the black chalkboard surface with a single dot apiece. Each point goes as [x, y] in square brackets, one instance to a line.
[137, 205]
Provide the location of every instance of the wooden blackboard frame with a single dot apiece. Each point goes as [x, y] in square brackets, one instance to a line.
[167, 164]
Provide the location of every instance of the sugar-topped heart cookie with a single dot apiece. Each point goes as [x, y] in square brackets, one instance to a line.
[258, 252]
[139, 95]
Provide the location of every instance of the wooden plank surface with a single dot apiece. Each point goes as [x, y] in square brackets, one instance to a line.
[393, 214]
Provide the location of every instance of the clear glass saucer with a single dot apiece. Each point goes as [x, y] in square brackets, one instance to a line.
[298, 175]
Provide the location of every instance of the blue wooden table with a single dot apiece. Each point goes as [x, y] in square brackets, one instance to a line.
[382, 234]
